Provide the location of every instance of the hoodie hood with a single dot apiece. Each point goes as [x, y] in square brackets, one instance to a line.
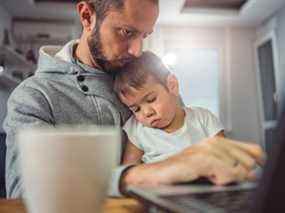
[58, 59]
[57, 62]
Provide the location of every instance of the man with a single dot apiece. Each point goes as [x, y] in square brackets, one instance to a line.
[73, 85]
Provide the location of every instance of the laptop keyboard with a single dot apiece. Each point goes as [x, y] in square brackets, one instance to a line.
[225, 201]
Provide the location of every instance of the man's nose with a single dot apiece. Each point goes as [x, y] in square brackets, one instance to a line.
[135, 47]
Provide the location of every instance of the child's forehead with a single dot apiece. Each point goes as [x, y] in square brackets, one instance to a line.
[131, 93]
[138, 91]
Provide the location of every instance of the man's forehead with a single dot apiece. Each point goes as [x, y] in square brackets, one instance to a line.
[141, 16]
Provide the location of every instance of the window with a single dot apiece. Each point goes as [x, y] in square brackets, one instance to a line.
[197, 70]
[268, 87]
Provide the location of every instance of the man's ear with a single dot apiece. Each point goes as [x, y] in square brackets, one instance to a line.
[87, 16]
[172, 84]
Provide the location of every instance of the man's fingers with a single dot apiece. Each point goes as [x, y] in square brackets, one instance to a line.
[251, 176]
[243, 158]
[222, 174]
[236, 154]
[222, 155]
[252, 150]
[241, 173]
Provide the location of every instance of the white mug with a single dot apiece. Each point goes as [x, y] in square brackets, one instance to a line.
[67, 170]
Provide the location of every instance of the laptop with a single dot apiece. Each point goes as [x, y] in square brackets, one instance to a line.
[201, 196]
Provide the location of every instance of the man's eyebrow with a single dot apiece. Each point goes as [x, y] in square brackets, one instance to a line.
[131, 28]
[137, 30]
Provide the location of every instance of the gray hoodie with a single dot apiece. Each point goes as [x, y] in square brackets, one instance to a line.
[62, 91]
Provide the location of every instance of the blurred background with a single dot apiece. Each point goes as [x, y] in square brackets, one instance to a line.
[227, 54]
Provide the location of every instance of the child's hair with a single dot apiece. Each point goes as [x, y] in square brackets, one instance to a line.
[136, 73]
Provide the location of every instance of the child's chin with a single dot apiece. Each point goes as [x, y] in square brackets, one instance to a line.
[159, 126]
[154, 126]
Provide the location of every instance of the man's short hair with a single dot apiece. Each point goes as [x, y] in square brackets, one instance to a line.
[136, 73]
[101, 7]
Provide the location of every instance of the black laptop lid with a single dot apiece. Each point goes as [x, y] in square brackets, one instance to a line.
[271, 191]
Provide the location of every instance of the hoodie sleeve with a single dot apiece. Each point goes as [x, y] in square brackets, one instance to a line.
[27, 107]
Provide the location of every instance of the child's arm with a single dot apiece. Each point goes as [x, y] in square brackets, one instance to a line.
[132, 154]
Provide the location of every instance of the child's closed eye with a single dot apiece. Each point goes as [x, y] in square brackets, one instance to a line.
[151, 99]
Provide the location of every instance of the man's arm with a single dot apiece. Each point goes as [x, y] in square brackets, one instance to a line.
[26, 107]
[201, 160]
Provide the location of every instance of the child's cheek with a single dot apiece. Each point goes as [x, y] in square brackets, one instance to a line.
[141, 119]
[158, 108]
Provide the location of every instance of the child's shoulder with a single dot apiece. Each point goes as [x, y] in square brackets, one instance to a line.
[199, 114]
[199, 111]
[131, 122]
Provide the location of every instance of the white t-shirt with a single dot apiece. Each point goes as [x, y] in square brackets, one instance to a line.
[158, 145]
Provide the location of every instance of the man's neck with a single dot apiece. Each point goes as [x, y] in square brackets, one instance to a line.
[83, 54]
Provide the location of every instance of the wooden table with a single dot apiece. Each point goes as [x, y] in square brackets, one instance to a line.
[112, 205]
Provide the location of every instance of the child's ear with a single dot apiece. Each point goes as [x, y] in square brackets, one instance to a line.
[172, 84]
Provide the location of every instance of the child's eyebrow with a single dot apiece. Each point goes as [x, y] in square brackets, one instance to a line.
[147, 95]
[143, 99]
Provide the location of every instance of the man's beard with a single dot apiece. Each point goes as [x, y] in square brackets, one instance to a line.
[96, 49]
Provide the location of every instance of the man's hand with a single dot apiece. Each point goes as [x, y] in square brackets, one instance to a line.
[223, 161]
[220, 160]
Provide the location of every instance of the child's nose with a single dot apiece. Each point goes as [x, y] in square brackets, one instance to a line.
[148, 112]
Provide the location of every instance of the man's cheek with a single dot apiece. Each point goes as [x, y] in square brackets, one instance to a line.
[121, 46]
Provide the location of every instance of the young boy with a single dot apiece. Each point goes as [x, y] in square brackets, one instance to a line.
[160, 126]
